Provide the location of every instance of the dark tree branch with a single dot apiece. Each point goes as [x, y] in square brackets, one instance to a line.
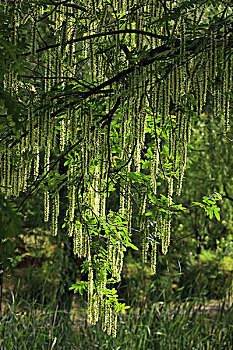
[127, 162]
[98, 35]
[227, 193]
[108, 117]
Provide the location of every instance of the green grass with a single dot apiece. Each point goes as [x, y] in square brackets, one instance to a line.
[31, 326]
[154, 325]
[165, 326]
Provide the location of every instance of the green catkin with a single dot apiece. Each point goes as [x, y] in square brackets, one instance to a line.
[8, 171]
[170, 190]
[182, 56]
[153, 175]
[62, 135]
[48, 71]
[164, 242]
[157, 156]
[46, 205]
[168, 95]
[19, 179]
[223, 70]
[114, 324]
[179, 124]
[170, 142]
[68, 124]
[90, 295]
[215, 57]
[75, 241]
[80, 242]
[72, 201]
[15, 184]
[55, 213]
[176, 85]
[47, 158]
[22, 166]
[114, 259]
[145, 245]
[10, 80]
[227, 87]
[104, 314]
[36, 161]
[85, 245]
[205, 76]
[109, 324]
[95, 313]
[227, 113]
[34, 37]
[120, 260]
[122, 203]
[70, 228]
[101, 305]
[25, 176]
[92, 58]
[57, 65]
[74, 126]
[2, 172]
[153, 257]
[164, 103]
[129, 212]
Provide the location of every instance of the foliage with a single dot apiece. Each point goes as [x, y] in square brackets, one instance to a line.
[36, 270]
[209, 204]
[98, 104]
[10, 229]
[209, 273]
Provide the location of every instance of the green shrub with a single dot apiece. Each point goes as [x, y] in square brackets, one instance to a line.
[210, 273]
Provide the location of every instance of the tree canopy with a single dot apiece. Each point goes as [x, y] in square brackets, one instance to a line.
[98, 100]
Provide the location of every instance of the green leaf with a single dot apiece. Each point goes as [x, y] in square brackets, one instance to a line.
[217, 215]
[131, 245]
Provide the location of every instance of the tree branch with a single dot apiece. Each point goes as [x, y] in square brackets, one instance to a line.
[98, 35]
[227, 194]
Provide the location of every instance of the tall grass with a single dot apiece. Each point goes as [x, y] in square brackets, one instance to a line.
[167, 327]
[33, 326]
[148, 326]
